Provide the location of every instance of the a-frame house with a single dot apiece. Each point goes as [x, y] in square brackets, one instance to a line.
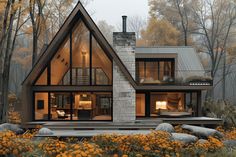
[73, 77]
[80, 77]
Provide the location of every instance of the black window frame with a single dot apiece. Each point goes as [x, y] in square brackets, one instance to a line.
[70, 34]
[158, 60]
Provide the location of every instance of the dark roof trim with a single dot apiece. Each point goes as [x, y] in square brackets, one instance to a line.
[72, 88]
[171, 87]
[59, 37]
[157, 55]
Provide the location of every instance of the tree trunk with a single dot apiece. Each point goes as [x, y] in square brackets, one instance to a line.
[6, 68]
[185, 38]
[224, 73]
[35, 47]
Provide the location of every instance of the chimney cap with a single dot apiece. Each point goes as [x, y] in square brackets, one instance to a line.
[124, 18]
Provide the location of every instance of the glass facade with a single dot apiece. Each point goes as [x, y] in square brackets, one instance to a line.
[101, 66]
[41, 106]
[140, 104]
[79, 61]
[60, 106]
[60, 65]
[166, 104]
[73, 106]
[151, 71]
[81, 55]
[92, 106]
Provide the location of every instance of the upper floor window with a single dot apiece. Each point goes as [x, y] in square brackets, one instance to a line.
[79, 60]
[155, 71]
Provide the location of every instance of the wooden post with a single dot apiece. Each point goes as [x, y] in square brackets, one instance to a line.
[147, 104]
[199, 103]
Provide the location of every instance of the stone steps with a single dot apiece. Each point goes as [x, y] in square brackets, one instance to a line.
[100, 126]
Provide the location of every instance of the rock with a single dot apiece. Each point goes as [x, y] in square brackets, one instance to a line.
[165, 127]
[12, 127]
[185, 138]
[202, 132]
[45, 131]
[230, 143]
[202, 141]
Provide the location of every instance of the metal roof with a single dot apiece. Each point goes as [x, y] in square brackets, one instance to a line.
[188, 61]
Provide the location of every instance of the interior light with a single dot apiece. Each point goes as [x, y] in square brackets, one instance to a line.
[161, 105]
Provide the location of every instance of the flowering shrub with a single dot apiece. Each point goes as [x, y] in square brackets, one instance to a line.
[14, 117]
[82, 150]
[12, 144]
[230, 134]
[157, 143]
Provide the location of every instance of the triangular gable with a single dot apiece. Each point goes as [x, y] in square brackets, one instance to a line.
[77, 13]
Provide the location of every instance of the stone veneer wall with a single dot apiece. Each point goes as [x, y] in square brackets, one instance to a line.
[124, 95]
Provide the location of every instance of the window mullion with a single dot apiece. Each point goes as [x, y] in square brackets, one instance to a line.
[70, 57]
[90, 58]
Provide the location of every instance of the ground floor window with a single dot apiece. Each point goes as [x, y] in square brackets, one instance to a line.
[166, 104]
[41, 106]
[73, 106]
[140, 104]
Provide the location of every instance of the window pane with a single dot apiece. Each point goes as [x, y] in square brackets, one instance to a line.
[60, 65]
[101, 65]
[42, 80]
[161, 71]
[92, 106]
[41, 106]
[155, 72]
[60, 106]
[80, 55]
[168, 104]
[194, 103]
[141, 72]
[140, 104]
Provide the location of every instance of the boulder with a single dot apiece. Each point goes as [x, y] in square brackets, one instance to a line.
[202, 132]
[230, 143]
[185, 138]
[165, 127]
[202, 141]
[45, 131]
[12, 127]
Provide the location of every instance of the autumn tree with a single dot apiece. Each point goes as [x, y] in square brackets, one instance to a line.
[215, 19]
[11, 22]
[136, 24]
[38, 22]
[159, 33]
[178, 13]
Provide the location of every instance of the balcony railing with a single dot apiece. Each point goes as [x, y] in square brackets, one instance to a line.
[81, 76]
[179, 77]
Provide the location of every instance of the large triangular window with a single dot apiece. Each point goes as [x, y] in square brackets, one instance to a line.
[101, 65]
[80, 60]
[60, 65]
[80, 55]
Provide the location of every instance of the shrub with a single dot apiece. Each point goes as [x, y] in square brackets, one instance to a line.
[12, 144]
[221, 109]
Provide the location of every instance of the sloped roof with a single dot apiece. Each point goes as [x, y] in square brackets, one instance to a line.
[188, 61]
[78, 13]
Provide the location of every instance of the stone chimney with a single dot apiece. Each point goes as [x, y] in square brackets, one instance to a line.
[123, 92]
[124, 43]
